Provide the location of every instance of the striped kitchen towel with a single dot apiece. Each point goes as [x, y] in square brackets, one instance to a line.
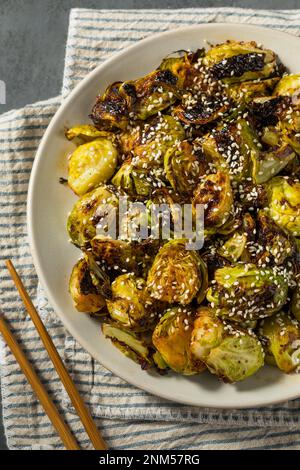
[128, 418]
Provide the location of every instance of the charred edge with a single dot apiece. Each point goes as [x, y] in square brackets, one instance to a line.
[238, 65]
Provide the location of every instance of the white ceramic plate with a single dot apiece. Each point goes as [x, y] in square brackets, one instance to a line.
[50, 202]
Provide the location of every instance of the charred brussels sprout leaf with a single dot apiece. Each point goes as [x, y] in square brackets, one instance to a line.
[86, 133]
[89, 211]
[83, 291]
[240, 61]
[178, 66]
[128, 343]
[215, 194]
[228, 351]
[176, 275]
[281, 336]
[171, 338]
[284, 203]
[131, 304]
[91, 164]
[203, 110]
[99, 277]
[246, 292]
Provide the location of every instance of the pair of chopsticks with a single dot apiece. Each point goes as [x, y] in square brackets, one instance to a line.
[59, 424]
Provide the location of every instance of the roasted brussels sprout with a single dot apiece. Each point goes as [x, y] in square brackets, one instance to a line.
[215, 194]
[276, 245]
[153, 93]
[281, 337]
[111, 109]
[234, 247]
[177, 274]
[114, 255]
[228, 351]
[157, 137]
[143, 171]
[171, 338]
[231, 148]
[240, 61]
[265, 165]
[183, 168]
[83, 291]
[128, 343]
[89, 211]
[91, 164]
[131, 304]
[138, 176]
[138, 99]
[247, 292]
[284, 203]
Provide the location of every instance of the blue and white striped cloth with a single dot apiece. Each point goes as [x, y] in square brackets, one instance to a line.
[129, 418]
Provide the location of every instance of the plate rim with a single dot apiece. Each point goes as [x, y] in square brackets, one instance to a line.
[31, 231]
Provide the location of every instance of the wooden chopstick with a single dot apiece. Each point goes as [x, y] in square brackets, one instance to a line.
[68, 383]
[39, 389]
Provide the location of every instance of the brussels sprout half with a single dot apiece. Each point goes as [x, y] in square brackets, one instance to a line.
[116, 256]
[231, 148]
[153, 93]
[83, 291]
[131, 304]
[183, 168]
[130, 344]
[171, 338]
[281, 336]
[284, 203]
[177, 274]
[143, 171]
[246, 292]
[276, 245]
[265, 165]
[228, 351]
[111, 109]
[240, 61]
[88, 211]
[91, 164]
[215, 194]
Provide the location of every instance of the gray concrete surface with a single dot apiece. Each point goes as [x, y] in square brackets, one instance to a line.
[33, 35]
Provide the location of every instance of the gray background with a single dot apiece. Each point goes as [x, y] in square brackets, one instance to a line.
[33, 36]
